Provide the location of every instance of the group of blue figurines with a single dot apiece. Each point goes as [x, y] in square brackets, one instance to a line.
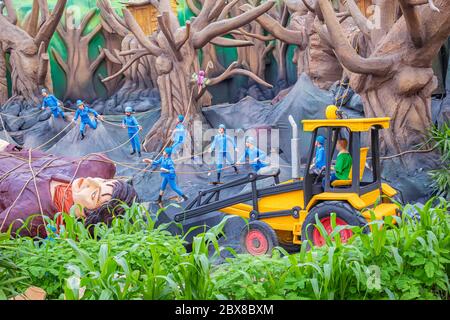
[222, 144]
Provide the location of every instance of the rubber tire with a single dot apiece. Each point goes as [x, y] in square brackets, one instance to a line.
[324, 209]
[265, 229]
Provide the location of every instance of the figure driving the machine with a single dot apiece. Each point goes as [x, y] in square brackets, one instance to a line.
[129, 122]
[168, 174]
[256, 157]
[220, 146]
[51, 102]
[83, 112]
[178, 135]
[344, 162]
[319, 161]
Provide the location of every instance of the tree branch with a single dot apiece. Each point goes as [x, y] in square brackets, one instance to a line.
[60, 61]
[112, 19]
[111, 57]
[422, 2]
[162, 21]
[268, 49]
[222, 27]
[345, 52]
[48, 28]
[412, 23]
[96, 63]
[277, 30]
[87, 38]
[360, 19]
[233, 70]
[308, 6]
[10, 11]
[139, 34]
[136, 57]
[227, 9]
[32, 23]
[43, 64]
[227, 42]
[217, 10]
[257, 36]
[191, 5]
[86, 19]
[187, 34]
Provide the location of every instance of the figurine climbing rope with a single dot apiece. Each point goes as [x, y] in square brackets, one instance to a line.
[220, 146]
[178, 135]
[83, 113]
[129, 122]
[51, 102]
[256, 157]
[168, 174]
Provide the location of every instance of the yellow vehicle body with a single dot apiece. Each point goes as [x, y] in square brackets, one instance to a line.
[289, 228]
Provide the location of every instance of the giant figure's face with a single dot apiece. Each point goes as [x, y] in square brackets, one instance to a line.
[92, 193]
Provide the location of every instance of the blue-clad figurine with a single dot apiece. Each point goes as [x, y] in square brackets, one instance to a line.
[178, 135]
[83, 112]
[130, 123]
[51, 102]
[319, 159]
[167, 173]
[220, 145]
[256, 157]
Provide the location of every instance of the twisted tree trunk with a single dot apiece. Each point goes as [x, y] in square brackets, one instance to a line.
[28, 49]
[397, 80]
[79, 69]
[176, 51]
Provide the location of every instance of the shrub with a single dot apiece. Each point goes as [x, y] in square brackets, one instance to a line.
[402, 258]
[441, 177]
[406, 260]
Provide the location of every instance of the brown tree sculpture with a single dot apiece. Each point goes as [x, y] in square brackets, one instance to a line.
[314, 55]
[210, 61]
[141, 74]
[79, 69]
[27, 47]
[175, 49]
[268, 43]
[396, 80]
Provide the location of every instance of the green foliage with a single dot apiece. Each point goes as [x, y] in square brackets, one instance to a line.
[401, 258]
[440, 135]
[10, 276]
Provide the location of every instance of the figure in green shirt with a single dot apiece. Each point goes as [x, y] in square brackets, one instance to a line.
[344, 163]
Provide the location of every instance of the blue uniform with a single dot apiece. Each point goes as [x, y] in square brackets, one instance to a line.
[220, 145]
[133, 128]
[85, 119]
[53, 104]
[320, 158]
[168, 177]
[178, 137]
[252, 154]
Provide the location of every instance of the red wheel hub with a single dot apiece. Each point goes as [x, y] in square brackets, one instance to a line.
[256, 243]
[319, 240]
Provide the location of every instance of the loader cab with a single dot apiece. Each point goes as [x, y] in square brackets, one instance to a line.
[362, 136]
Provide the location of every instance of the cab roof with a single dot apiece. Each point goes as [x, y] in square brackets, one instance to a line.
[356, 125]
